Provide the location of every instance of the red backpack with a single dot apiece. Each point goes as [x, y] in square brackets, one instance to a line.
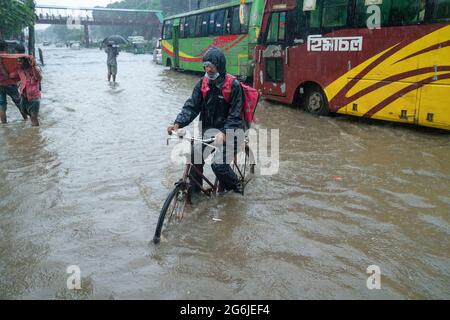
[251, 96]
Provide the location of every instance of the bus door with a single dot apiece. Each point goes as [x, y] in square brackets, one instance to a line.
[176, 46]
[273, 57]
[435, 93]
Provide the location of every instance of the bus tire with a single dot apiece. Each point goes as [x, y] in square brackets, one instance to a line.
[315, 102]
[169, 64]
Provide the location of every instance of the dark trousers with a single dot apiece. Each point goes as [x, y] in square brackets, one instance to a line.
[220, 166]
[11, 91]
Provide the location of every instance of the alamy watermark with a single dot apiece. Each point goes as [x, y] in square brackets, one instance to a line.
[374, 280]
[263, 144]
[74, 280]
[374, 20]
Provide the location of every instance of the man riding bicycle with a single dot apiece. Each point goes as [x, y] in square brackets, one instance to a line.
[215, 113]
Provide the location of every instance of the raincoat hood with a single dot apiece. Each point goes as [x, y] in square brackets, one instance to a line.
[217, 58]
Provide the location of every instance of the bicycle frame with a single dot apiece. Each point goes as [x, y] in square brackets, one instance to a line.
[189, 166]
[213, 187]
[180, 197]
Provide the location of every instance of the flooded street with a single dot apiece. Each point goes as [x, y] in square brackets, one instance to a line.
[87, 186]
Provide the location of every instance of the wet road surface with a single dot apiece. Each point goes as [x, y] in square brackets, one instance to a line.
[86, 188]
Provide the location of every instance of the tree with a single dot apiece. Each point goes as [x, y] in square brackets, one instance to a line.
[169, 7]
[15, 15]
[61, 33]
[100, 32]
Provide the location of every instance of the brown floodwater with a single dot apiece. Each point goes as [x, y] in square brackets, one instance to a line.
[86, 188]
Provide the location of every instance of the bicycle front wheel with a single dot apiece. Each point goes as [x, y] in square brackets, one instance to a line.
[173, 209]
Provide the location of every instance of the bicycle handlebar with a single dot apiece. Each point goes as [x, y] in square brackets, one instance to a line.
[210, 140]
[181, 135]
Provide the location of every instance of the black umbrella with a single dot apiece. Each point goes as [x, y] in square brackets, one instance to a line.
[115, 39]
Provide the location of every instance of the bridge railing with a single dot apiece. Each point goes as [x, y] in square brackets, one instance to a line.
[59, 15]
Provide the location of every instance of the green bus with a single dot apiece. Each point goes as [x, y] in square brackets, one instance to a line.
[233, 27]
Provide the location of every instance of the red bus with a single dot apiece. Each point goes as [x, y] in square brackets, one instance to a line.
[381, 59]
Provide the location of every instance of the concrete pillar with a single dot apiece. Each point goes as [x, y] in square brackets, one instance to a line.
[41, 56]
[31, 41]
[86, 35]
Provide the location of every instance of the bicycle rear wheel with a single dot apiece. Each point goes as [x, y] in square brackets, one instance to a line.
[173, 209]
[244, 166]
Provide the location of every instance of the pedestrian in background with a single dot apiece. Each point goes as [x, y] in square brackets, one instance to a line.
[29, 90]
[112, 52]
[8, 87]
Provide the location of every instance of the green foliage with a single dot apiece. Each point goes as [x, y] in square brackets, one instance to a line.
[14, 16]
[62, 33]
[100, 32]
[137, 4]
[19, 13]
[169, 7]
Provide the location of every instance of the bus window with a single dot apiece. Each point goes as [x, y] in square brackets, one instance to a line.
[272, 35]
[182, 34]
[167, 32]
[186, 27]
[244, 26]
[405, 12]
[212, 22]
[228, 21]
[441, 11]
[334, 13]
[315, 17]
[235, 23]
[293, 26]
[204, 28]
[192, 26]
[277, 27]
[282, 26]
[236, 26]
[219, 27]
[198, 25]
[274, 69]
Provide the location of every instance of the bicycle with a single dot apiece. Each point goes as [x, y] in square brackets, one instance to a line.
[179, 198]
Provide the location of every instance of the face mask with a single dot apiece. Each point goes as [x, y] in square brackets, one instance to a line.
[212, 77]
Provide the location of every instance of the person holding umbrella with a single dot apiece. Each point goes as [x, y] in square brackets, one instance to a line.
[112, 51]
